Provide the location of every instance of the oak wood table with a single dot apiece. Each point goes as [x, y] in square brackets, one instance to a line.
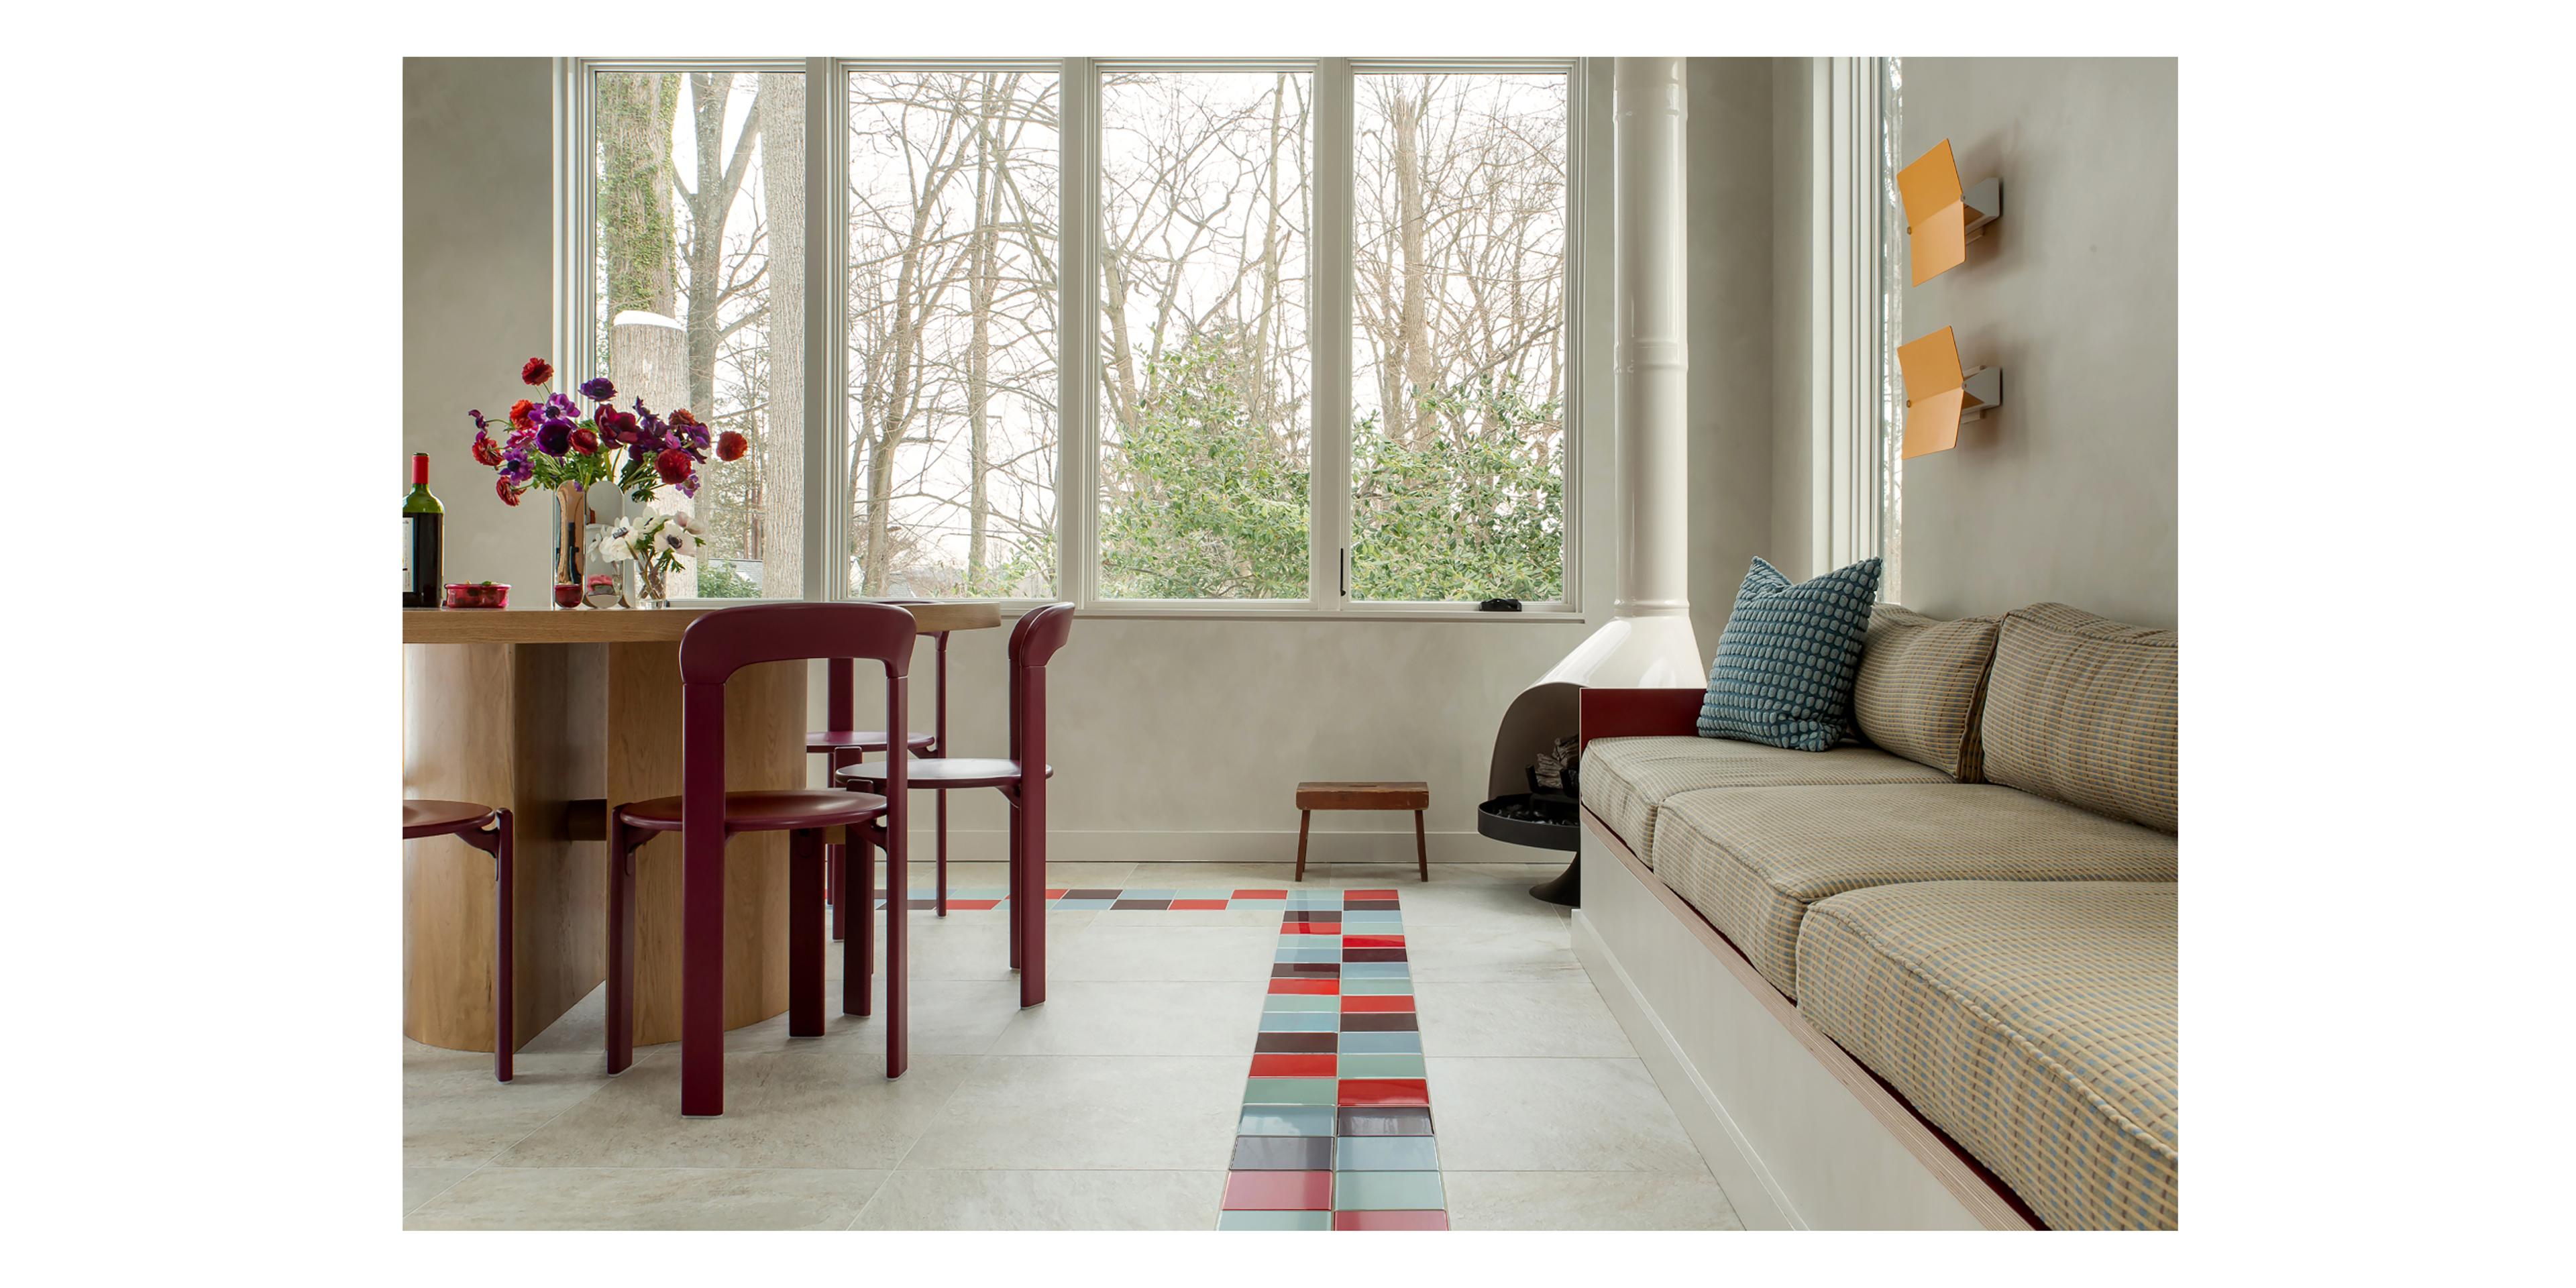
[1315, 796]
[553, 714]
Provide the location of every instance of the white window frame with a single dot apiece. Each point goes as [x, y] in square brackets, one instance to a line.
[1329, 337]
[1849, 429]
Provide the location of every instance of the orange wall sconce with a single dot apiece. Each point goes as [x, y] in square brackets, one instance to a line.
[1940, 219]
[1939, 396]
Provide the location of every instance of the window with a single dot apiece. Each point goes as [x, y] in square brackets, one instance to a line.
[1276, 336]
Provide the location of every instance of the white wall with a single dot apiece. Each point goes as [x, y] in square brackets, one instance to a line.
[1792, 309]
[1173, 739]
[1731, 342]
[2068, 491]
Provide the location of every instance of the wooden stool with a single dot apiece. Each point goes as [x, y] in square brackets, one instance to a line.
[1315, 796]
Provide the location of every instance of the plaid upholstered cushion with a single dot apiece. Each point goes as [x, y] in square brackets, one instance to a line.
[1626, 780]
[1753, 859]
[2033, 1022]
[1786, 660]
[2082, 709]
[1918, 688]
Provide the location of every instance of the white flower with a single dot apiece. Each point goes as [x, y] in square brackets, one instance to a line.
[617, 545]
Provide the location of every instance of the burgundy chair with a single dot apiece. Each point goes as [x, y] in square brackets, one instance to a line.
[841, 745]
[706, 815]
[488, 830]
[1037, 637]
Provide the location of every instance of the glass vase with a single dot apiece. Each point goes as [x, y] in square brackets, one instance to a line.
[652, 584]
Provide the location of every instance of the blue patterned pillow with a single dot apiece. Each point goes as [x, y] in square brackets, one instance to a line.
[1788, 658]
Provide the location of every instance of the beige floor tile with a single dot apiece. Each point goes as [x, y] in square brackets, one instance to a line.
[1521, 948]
[963, 946]
[1082, 1017]
[1172, 953]
[1157, 1113]
[1529, 1017]
[949, 1017]
[988, 1200]
[996, 876]
[584, 1198]
[421, 1184]
[1587, 1201]
[1209, 876]
[455, 1115]
[1550, 1115]
[1468, 899]
[814, 1103]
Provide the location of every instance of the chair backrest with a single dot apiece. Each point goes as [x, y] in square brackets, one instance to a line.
[1034, 640]
[838, 678]
[729, 639]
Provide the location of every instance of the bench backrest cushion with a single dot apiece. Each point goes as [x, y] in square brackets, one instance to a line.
[2083, 709]
[1920, 679]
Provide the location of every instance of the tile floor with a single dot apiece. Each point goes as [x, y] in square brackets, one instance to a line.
[1124, 1101]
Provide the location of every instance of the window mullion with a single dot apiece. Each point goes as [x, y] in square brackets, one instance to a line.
[1078, 333]
[827, 513]
[1328, 338]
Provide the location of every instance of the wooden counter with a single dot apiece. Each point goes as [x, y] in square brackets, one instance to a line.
[555, 713]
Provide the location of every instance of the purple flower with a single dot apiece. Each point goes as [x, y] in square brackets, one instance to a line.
[515, 467]
[554, 437]
[689, 485]
[480, 424]
[597, 389]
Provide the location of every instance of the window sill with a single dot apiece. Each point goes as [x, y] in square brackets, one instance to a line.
[1115, 611]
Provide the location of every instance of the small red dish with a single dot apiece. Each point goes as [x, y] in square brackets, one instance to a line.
[478, 594]
[567, 595]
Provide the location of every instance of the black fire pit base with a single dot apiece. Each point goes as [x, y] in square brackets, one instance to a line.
[1565, 890]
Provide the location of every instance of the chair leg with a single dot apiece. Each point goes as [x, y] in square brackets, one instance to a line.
[836, 862]
[702, 981]
[939, 878]
[621, 945]
[505, 994]
[1032, 816]
[898, 912]
[805, 933]
[1305, 817]
[1421, 850]
[859, 950]
[1019, 898]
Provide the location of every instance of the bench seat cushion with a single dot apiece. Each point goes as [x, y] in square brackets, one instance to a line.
[2035, 1022]
[1625, 780]
[1752, 859]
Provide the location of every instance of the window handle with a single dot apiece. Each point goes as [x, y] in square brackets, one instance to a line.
[1346, 572]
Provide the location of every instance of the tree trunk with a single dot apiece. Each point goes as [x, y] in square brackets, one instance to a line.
[782, 443]
[1414, 325]
[979, 342]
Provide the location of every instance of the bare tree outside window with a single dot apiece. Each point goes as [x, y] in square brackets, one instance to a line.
[699, 291]
[1459, 338]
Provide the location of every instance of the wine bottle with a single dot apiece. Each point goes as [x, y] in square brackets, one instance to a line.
[424, 552]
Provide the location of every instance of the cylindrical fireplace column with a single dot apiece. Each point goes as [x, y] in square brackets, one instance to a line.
[1652, 351]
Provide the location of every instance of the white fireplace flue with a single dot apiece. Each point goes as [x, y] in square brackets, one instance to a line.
[1648, 642]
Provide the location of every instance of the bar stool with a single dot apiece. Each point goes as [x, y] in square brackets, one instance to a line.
[841, 740]
[706, 816]
[1034, 640]
[489, 830]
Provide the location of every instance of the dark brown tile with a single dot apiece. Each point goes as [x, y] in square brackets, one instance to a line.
[1305, 970]
[1364, 1022]
[1365, 954]
[1297, 1043]
[1283, 1154]
[1091, 894]
[1145, 905]
[1369, 905]
[1314, 918]
[1384, 1121]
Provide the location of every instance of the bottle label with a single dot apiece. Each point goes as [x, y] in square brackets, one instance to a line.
[408, 522]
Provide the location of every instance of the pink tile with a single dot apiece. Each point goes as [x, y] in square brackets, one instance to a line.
[1434, 1220]
[1278, 1191]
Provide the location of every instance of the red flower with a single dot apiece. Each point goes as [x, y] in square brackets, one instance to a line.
[682, 417]
[673, 465]
[486, 453]
[584, 441]
[537, 372]
[509, 495]
[730, 446]
[523, 414]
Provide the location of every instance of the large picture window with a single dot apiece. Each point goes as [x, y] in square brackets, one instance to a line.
[1154, 430]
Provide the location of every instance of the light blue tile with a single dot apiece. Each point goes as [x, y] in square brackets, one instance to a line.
[1377, 987]
[1302, 1003]
[1144, 894]
[1387, 1191]
[1302, 953]
[1301, 1021]
[1290, 1091]
[1376, 970]
[1274, 1221]
[1204, 894]
[1381, 1066]
[1287, 1120]
[1386, 1154]
[1378, 923]
[1381, 1044]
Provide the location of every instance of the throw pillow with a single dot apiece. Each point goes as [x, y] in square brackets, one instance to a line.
[1789, 655]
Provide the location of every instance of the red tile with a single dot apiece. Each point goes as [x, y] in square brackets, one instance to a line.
[1055, 894]
[1326, 986]
[1292, 1066]
[1372, 941]
[1260, 894]
[1382, 1002]
[1278, 1191]
[1385, 1091]
[1311, 928]
[1368, 894]
[1432, 1220]
[972, 905]
[1198, 905]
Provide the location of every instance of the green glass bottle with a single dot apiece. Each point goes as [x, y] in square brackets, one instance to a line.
[424, 552]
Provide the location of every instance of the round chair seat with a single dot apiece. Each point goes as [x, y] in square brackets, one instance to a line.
[943, 772]
[764, 811]
[862, 740]
[439, 818]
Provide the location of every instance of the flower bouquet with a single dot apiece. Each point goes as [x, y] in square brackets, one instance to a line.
[655, 543]
[550, 442]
